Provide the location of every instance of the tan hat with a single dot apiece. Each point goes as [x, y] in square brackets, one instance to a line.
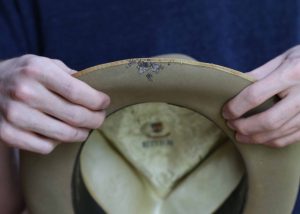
[146, 166]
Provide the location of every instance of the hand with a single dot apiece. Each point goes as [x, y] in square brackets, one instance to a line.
[41, 104]
[280, 125]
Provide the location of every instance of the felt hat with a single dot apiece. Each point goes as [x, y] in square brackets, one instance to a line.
[141, 163]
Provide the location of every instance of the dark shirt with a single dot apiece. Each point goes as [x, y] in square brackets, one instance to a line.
[238, 34]
[233, 33]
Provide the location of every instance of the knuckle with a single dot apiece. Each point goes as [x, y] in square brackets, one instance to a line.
[34, 61]
[30, 71]
[252, 97]
[270, 122]
[30, 59]
[22, 92]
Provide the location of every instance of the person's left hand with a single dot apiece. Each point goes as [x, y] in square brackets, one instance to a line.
[280, 125]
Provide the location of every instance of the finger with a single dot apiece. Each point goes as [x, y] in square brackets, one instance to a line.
[285, 140]
[38, 97]
[63, 66]
[263, 137]
[71, 88]
[253, 96]
[21, 139]
[271, 119]
[293, 123]
[264, 70]
[32, 120]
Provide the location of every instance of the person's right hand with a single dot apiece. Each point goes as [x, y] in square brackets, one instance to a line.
[41, 104]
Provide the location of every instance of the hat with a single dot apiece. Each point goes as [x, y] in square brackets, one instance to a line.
[171, 153]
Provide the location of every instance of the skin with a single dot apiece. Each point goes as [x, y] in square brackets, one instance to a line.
[278, 126]
[41, 106]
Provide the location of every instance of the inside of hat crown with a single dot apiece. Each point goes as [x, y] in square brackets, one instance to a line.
[160, 158]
